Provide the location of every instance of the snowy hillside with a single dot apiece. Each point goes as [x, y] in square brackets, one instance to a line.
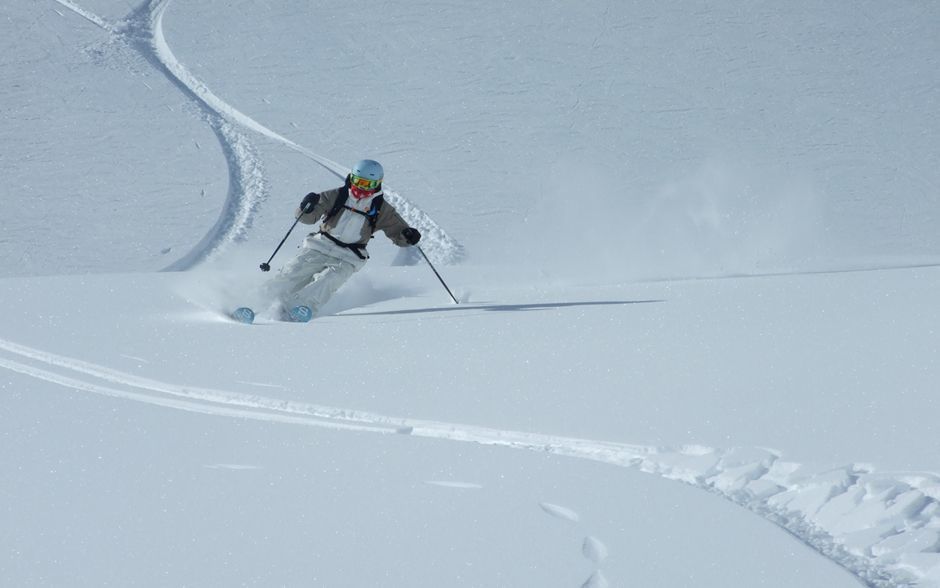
[696, 259]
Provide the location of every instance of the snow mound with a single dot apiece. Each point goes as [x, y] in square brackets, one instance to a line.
[560, 512]
[594, 550]
[884, 528]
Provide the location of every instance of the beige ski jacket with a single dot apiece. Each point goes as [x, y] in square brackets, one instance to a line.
[387, 220]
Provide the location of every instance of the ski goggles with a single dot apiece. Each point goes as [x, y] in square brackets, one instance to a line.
[364, 183]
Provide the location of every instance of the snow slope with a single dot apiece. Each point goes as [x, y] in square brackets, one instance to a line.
[557, 348]
[465, 365]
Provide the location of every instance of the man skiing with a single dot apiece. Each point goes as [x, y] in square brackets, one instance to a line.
[350, 215]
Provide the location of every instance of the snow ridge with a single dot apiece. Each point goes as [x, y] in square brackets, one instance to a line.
[882, 527]
[247, 187]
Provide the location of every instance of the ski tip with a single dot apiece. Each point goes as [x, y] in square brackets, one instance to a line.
[244, 315]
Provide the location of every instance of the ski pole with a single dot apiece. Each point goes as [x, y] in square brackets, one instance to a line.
[266, 266]
[437, 274]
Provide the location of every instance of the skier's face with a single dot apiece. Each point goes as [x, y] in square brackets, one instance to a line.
[361, 187]
[359, 193]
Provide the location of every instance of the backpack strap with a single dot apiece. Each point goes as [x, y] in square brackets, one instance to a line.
[372, 217]
[338, 204]
[359, 250]
[373, 214]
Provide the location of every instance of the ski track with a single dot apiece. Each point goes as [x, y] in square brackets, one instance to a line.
[882, 527]
[248, 186]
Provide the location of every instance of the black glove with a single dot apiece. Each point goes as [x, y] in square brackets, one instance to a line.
[309, 202]
[411, 235]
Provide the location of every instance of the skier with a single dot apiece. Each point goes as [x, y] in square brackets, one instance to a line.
[350, 215]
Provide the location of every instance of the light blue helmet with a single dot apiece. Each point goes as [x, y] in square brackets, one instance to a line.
[368, 169]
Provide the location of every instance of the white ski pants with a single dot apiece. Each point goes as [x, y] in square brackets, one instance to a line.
[313, 276]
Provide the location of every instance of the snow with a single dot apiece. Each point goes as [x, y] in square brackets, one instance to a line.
[627, 394]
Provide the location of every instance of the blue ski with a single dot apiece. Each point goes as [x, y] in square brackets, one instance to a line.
[244, 315]
[300, 314]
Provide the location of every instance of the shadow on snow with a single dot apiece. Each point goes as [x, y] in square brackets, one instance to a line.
[503, 307]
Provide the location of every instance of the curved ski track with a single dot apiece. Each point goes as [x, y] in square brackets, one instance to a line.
[826, 510]
[248, 188]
